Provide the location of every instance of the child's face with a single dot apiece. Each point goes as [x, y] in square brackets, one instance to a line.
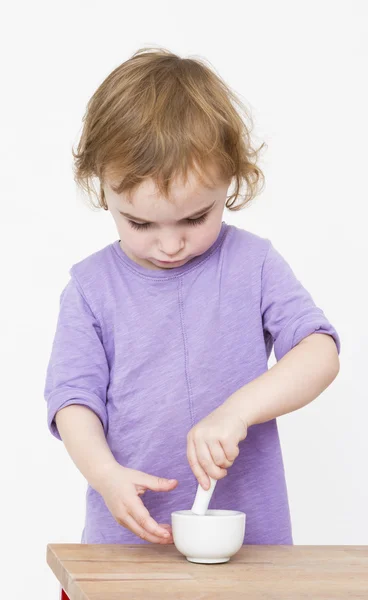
[159, 235]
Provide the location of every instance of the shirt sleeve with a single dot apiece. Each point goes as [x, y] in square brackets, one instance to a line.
[78, 371]
[289, 313]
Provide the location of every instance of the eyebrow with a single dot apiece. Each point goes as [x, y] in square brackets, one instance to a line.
[196, 214]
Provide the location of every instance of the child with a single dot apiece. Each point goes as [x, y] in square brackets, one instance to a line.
[158, 376]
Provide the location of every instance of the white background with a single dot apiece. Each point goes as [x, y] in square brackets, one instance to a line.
[301, 68]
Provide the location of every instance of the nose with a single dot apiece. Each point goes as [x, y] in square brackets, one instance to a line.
[171, 244]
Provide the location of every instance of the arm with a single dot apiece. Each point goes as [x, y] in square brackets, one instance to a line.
[76, 394]
[84, 438]
[297, 379]
[307, 362]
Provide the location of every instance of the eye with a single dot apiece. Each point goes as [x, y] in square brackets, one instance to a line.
[139, 226]
[142, 226]
[198, 221]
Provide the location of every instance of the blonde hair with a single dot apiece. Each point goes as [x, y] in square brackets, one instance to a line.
[157, 116]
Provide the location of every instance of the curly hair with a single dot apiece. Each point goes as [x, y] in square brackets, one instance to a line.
[157, 116]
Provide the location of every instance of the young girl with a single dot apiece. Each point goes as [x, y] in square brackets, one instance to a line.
[158, 376]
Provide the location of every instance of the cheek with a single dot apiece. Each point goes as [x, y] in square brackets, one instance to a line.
[138, 241]
[135, 240]
[204, 237]
[141, 242]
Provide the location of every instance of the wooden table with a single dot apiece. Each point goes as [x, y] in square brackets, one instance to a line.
[122, 572]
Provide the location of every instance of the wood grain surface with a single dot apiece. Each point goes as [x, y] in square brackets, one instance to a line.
[122, 572]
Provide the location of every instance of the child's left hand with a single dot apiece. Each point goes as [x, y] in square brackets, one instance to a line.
[212, 444]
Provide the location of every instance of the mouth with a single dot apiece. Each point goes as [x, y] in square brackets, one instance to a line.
[170, 262]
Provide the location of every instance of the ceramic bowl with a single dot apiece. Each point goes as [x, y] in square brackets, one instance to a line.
[210, 538]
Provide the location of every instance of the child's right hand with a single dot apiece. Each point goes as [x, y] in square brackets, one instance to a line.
[121, 489]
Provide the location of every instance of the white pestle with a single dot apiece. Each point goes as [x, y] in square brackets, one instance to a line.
[203, 498]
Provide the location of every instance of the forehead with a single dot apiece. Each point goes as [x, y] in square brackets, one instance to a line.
[179, 191]
[146, 202]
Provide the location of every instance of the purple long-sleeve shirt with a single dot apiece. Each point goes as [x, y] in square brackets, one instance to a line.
[152, 352]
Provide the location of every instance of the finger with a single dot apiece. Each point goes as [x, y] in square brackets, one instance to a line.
[199, 473]
[218, 455]
[231, 451]
[132, 524]
[205, 460]
[142, 517]
[167, 527]
[156, 484]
